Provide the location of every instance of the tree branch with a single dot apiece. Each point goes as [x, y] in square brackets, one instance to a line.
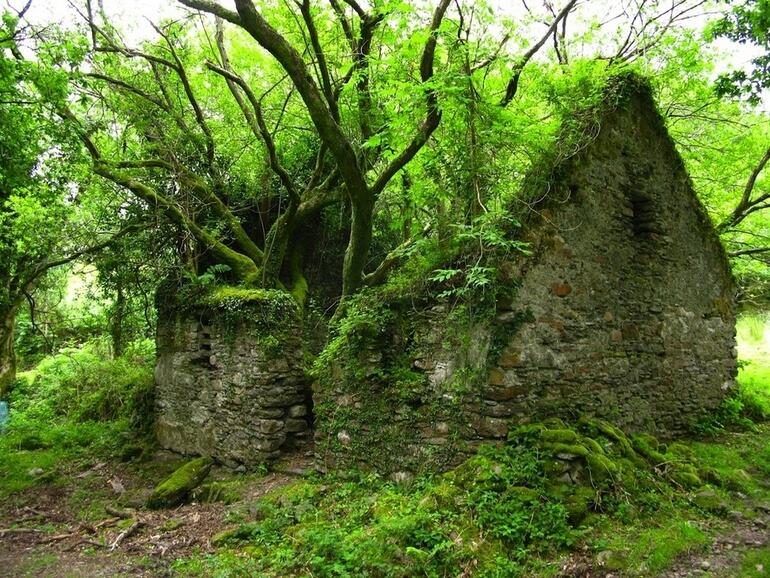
[513, 83]
[433, 115]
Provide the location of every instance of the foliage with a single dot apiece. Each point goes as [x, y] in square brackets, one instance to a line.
[75, 403]
[80, 385]
[747, 22]
[493, 515]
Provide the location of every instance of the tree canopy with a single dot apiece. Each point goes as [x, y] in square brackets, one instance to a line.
[314, 146]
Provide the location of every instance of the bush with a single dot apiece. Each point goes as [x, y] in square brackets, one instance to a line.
[82, 385]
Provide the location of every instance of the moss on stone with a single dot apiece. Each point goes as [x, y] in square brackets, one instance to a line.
[681, 450]
[177, 487]
[475, 469]
[595, 427]
[602, 468]
[647, 446]
[579, 503]
[225, 293]
[566, 449]
[687, 480]
[592, 445]
[709, 501]
[561, 436]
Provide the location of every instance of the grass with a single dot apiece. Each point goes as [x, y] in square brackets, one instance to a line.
[755, 564]
[657, 548]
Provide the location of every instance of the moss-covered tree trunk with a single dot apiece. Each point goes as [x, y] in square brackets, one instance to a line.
[7, 353]
[358, 245]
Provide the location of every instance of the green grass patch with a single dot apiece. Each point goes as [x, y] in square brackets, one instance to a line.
[755, 564]
[658, 548]
[75, 405]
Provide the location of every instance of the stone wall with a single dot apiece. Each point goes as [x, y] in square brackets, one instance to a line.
[230, 386]
[625, 310]
[628, 293]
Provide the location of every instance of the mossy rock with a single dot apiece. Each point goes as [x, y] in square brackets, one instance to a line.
[578, 504]
[681, 450]
[712, 476]
[553, 468]
[592, 445]
[559, 436]
[556, 449]
[647, 446]
[737, 480]
[709, 501]
[688, 480]
[595, 427]
[177, 487]
[603, 470]
[474, 469]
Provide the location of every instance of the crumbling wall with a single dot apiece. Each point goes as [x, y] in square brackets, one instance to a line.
[628, 295]
[624, 310]
[230, 382]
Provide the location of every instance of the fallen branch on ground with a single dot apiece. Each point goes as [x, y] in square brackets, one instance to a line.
[126, 533]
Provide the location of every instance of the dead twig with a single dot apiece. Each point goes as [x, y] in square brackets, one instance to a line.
[131, 530]
[124, 514]
[5, 531]
[58, 537]
[107, 522]
[84, 541]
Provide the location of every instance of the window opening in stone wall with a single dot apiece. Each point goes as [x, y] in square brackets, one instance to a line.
[643, 216]
[203, 340]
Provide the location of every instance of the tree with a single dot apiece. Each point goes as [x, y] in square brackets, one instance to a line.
[45, 217]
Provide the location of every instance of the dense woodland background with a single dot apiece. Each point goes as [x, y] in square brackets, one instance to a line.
[322, 148]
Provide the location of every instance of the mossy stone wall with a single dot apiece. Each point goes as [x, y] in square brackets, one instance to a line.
[624, 310]
[230, 377]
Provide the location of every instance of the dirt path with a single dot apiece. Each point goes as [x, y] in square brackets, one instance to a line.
[85, 526]
[725, 555]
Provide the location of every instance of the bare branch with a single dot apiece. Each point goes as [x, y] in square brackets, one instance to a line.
[513, 83]
[746, 206]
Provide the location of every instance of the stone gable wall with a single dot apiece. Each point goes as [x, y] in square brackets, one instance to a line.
[625, 311]
[628, 294]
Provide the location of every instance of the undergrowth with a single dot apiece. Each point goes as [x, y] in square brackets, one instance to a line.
[77, 402]
[506, 511]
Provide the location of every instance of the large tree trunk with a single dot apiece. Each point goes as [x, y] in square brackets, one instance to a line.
[358, 245]
[7, 354]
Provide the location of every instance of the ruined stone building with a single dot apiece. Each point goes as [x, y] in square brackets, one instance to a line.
[624, 310]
